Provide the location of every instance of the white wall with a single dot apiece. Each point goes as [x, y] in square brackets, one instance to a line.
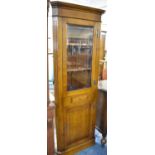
[93, 3]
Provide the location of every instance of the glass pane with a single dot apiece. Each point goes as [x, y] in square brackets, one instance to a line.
[79, 56]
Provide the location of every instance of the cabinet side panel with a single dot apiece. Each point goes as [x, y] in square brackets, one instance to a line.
[57, 47]
[95, 74]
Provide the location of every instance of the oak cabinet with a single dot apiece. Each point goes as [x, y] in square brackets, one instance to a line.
[76, 45]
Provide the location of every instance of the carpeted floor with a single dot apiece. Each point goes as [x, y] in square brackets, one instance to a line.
[97, 149]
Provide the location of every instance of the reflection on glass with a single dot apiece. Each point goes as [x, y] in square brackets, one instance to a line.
[79, 56]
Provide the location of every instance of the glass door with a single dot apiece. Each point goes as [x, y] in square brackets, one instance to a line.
[79, 56]
[79, 48]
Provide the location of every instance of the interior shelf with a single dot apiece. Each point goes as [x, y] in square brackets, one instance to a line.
[78, 44]
[77, 69]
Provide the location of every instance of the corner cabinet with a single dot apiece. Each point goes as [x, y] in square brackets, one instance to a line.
[76, 45]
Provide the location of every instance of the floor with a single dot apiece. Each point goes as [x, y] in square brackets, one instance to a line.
[97, 149]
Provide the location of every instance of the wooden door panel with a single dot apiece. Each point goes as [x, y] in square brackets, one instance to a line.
[78, 117]
[77, 100]
[78, 122]
[79, 86]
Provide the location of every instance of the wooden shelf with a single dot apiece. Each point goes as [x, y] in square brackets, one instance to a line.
[78, 69]
[79, 55]
[77, 44]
